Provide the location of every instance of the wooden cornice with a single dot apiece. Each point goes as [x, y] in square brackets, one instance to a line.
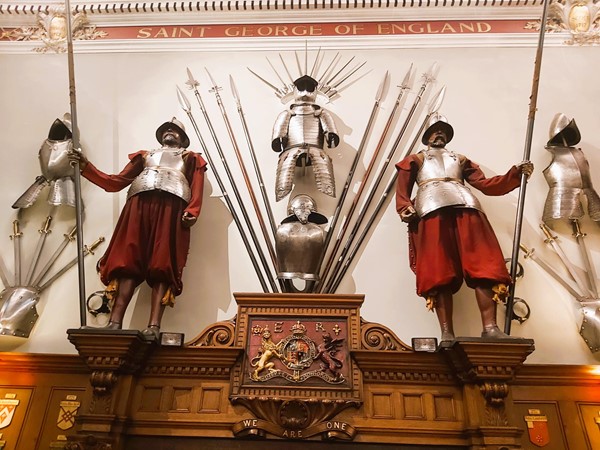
[558, 375]
[41, 363]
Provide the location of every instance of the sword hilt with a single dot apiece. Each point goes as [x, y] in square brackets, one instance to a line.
[16, 231]
[527, 251]
[94, 245]
[70, 236]
[548, 233]
[577, 233]
[46, 226]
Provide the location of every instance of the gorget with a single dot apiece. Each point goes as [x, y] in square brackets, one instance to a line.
[163, 171]
[568, 177]
[441, 183]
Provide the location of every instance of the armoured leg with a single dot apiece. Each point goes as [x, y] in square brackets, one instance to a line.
[487, 307]
[157, 308]
[124, 294]
[443, 309]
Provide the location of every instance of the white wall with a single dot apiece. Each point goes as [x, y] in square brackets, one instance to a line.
[123, 97]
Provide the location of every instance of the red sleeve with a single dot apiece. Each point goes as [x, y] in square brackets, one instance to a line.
[114, 183]
[498, 185]
[195, 168]
[407, 175]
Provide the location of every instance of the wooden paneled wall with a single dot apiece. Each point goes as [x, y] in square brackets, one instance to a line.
[568, 397]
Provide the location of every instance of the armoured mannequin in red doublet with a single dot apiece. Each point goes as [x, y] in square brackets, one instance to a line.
[450, 238]
[152, 236]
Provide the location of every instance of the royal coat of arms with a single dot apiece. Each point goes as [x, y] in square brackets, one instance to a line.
[298, 357]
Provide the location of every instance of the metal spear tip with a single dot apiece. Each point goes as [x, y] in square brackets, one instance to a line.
[212, 80]
[183, 101]
[406, 83]
[431, 73]
[191, 82]
[234, 90]
[437, 101]
[382, 86]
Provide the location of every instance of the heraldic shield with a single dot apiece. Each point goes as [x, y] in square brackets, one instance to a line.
[297, 372]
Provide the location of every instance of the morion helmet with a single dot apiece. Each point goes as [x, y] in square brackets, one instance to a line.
[438, 122]
[185, 140]
[563, 128]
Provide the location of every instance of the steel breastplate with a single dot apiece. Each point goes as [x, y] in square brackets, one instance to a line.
[568, 177]
[441, 184]
[299, 248]
[54, 159]
[304, 128]
[163, 171]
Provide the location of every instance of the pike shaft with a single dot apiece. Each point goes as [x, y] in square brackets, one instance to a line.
[229, 203]
[253, 198]
[380, 205]
[514, 261]
[356, 199]
[376, 183]
[236, 192]
[261, 184]
[348, 183]
[76, 170]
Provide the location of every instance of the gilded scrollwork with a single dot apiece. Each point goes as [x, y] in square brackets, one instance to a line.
[580, 17]
[378, 337]
[51, 29]
[220, 334]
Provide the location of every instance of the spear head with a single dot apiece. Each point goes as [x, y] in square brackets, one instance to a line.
[212, 80]
[183, 101]
[191, 82]
[430, 75]
[437, 101]
[382, 86]
[406, 83]
[234, 90]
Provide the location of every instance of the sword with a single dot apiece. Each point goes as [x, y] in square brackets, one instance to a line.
[86, 251]
[236, 149]
[550, 271]
[435, 105]
[330, 67]
[427, 79]
[44, 232]
[69, 237]
[330, 80]
[278, 92]
[274, 70]
[589, 272]
[286, 68]
[16, 238]
[405, 86]
[4, 274]
[261, 183]
[550, 239]
[187, 107]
